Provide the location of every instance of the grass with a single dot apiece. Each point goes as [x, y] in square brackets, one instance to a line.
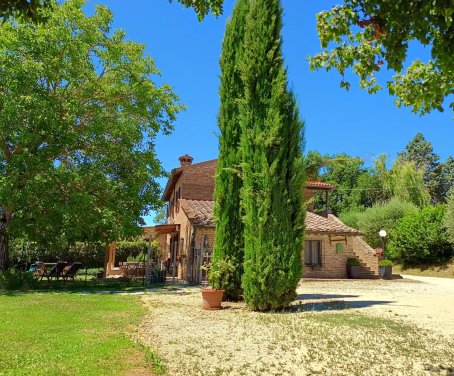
[443, 270]
[59, 333]
[236, 341]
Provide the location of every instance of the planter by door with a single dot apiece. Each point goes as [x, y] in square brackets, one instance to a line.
[386, 272]
[212, 299]
[353, 271]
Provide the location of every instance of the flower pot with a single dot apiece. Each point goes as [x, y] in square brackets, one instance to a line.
[212, 299]
[353, 271]
[386, 272]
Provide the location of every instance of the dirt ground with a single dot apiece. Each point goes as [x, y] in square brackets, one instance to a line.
[342, 327]
[427, 302]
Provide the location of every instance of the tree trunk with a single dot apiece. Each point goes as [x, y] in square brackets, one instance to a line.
[4, 246]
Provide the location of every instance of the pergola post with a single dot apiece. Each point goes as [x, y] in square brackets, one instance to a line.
[110, 258]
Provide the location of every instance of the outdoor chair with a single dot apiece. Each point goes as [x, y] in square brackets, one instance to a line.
[55, 272]
[37, 269]
[71, 271]
[131, 270]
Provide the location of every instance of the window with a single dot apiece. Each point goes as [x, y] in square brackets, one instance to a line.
[177, 204]
[313, 252]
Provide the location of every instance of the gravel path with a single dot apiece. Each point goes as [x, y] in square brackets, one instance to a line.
[328, 332]
[427, 302]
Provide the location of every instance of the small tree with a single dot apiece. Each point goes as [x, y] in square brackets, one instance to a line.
[436, 174]
[404, 180]
[382, 216]
[272, 166]
[420, 237]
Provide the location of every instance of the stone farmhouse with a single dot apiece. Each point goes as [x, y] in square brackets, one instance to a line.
[188, 235]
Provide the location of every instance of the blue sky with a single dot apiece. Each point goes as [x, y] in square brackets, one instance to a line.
[187, 53]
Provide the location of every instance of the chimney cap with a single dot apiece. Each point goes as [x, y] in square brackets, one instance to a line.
[185, 160]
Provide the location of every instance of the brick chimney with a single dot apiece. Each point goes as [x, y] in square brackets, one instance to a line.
[185, 160]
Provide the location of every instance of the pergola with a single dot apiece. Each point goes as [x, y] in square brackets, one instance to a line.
[150, 234]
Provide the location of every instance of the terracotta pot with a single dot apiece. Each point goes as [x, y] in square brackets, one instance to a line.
[212, 299]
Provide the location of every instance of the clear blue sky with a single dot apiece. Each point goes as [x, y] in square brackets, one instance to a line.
[187, 53]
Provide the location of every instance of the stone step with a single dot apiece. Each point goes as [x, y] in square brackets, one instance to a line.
[369, 276]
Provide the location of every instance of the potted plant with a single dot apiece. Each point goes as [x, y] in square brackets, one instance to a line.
[353, 268]
[386, 269]
[219, 272]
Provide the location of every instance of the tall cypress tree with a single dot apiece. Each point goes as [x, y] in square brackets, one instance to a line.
[229, 241]
[271, 165]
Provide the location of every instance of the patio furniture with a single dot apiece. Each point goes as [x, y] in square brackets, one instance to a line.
[55, 272]
[38, 269]
[70, 271]
[133, 269]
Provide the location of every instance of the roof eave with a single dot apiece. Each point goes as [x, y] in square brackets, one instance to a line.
[341, 233]
[174, 175]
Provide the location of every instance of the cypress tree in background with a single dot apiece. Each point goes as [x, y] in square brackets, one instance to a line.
[229, 241]
[272, 166]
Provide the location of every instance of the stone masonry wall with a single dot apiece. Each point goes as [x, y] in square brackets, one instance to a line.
[333, 263]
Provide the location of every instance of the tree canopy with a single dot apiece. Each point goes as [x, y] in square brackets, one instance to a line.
[203, 7]
[31, 10]
[366, 35]
[438, 176]
[79, 113]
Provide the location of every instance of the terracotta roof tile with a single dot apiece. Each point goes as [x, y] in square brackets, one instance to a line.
[200, 213]
[318, 224]
[319, 184]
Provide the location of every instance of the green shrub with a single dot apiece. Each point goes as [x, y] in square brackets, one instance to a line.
[14, 279]
[386, 262]
[141, 257]
[420, 237]
[92, 272]
[91, 255]
[22, 252]
[220, 273]
[382, 216]
[350, 218]
[352, 261]
[449, 217]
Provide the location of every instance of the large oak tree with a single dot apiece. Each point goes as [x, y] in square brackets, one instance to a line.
[79, 113]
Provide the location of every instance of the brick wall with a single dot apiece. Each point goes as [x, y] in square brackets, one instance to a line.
[198, 181]
[333, 263]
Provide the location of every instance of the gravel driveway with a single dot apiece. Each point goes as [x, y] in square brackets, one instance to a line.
[427, 302]
[329, 331]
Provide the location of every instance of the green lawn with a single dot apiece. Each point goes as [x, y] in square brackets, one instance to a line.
[62, 333]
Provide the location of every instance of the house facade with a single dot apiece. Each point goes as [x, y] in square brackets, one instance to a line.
[188, 235]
